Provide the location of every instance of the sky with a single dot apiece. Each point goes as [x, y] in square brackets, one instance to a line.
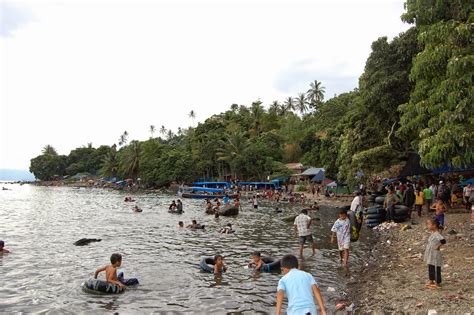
[75, 72]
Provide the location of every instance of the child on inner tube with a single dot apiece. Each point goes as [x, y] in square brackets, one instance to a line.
[257, 263]
[111, 270]
[219, 266]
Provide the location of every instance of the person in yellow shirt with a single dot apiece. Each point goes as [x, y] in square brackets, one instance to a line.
[454, 200]
[419, 200]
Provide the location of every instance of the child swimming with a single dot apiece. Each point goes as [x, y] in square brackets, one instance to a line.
[111, 270]
[3, 250]
[219, 266]
[227, 229]
[256, 263]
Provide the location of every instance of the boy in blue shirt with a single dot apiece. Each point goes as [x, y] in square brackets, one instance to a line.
[300, 288]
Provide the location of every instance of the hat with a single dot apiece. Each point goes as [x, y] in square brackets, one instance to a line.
[440, 181]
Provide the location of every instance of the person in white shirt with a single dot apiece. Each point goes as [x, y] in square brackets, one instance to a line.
[468, 195]
[356, 202]
[302, 227]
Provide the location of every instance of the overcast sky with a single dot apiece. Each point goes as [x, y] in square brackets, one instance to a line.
[73, 72]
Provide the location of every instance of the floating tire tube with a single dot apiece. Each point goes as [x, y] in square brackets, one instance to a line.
[380, 200]
[207, 264]
[101, 286]
[376, 211]
[400, 212]
[376, 217]
[270, 264]
[373, 221]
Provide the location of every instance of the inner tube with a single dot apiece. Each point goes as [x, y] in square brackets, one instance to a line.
[101, 286]
[207, 264]
[376, 211]
[270, 264]
[228, 211]
[175, 211]
[380, 200]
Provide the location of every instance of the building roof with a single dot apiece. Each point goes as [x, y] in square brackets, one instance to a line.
[313, 171]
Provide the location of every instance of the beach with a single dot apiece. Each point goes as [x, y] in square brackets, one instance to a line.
[393, 277]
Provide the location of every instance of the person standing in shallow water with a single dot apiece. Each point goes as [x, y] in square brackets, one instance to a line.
[302, 227]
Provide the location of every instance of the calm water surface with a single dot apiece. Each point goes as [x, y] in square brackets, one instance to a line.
[45, 271]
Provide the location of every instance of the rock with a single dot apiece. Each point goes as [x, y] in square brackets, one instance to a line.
[86, 241]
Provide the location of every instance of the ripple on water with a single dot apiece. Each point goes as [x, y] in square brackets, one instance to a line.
[45, 271]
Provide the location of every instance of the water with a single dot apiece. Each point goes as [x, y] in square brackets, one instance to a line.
[45, 271]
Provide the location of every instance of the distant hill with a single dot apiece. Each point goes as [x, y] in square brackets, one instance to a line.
[14, 175]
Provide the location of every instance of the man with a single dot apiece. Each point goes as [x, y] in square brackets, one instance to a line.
[444, 193]
[356, 202]
[389, 203]
[409, 198]
[302, 228]
[468, 195]
[428, 195]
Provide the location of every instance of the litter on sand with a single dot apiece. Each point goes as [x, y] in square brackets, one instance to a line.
[386, 226]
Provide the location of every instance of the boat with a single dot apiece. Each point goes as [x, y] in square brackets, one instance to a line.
[197, 192]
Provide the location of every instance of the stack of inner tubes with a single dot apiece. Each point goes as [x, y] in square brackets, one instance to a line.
[375, 215]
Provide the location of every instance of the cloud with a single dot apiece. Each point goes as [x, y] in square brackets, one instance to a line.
[336, 78]
[12, 17]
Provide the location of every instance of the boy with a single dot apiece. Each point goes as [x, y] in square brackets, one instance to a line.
[440, 209]
[111, 270]
[302, 227]
[2, 249]
[300, 288]
[219, 266]
[256, 263]
[181, 224]
[342, 228]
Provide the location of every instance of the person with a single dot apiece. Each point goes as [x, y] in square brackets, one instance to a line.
[256, 261]
[454, 200]
[440, 210]
[444, 193]
[219, 266]
[226, 199]
[302, 227]
[111, 270]
[209, 209]
[318, 190]
[227, 229]
[172, 206]
[419, 201]
[356, 203]
[3, 250]
[237, 203]
[468, 196]
[180, 224]
[313, 190]
[314, 206]
[179, 206]
[193, 225]
[341, 229]
[409, 198]
[389, 203]
[300, 288]
[428, 195]
[136, 209]
[433, 257]
[255, 202]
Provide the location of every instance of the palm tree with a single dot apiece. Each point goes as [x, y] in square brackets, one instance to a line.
[289, 104]
[274, 107]
[180, 131]
[123, 138]
[256, 112]
[152, 130]
[49, 150]
[110, 165]
[192, 115]
[232, 151]
[316, 93]
[170, 134]
[301, 103]
[163, 130]
[130, 163]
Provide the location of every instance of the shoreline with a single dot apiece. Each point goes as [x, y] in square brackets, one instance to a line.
[392, 278]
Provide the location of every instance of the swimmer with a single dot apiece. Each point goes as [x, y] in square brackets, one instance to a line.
[256, 263]
[173, 206]
[136, 209]
[111, 270]
[227, 229]
[195, 226]
[180, 224]
[179, 206]
[3, 250]
[277, 210]
[219, 266]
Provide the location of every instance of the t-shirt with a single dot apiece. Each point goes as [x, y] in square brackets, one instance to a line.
[391, 200]
[301, 222]
[343, 231]
[356, 203]
[419, 198]
[297, 285]
[432, 255]
[428, 193]
[468, 191]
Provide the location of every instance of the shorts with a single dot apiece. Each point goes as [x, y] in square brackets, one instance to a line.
[255, 206]
[305, 238]
[344, 245]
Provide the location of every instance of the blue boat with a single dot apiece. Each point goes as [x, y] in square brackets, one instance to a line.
[223, 185]
[197, 192]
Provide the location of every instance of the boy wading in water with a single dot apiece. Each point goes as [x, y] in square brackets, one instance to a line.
[433, 257]
[300, 288]
[303, 229]
[342, 229]
[111, 270]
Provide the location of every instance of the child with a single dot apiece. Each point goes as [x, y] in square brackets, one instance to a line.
[342, 228]
[111, 270]
[300, 288]
[433, 256]
[180, 224]
[2, 249]
[256, 261]
[219, 266]
[440, 209]
[419, 201]
[227, 229]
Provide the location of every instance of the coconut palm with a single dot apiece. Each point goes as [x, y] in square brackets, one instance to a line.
[49, 150]
[256, 112]
[130, 163]
[232, 151]
[152, 130]
[110, 164]
[170, 134]
[192, 115]
[315, 93]
[301, 103]
[123, 138]
[163, 130]
[289, 104]
[274, 107]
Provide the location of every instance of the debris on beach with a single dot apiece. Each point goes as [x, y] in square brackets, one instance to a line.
[386, 226]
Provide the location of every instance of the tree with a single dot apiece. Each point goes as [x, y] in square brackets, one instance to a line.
[129, 161]
[152, 130]
[110, 163]
[192, 115]
[440, 110]
[163, 130]
[301, 104]
[289, 104]
[48, 166]
[170, 135]
[123, 138]
[256, 111]
[232, 152]
[315, 94]
[48, 149]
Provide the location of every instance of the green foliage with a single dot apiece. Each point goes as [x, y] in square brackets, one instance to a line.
[48, 166]
[440, 111]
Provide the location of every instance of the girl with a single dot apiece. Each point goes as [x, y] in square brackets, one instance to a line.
[433, 256]
[219, 266]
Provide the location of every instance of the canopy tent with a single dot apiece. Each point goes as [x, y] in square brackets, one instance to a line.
[261, 185]
[413, 167]
[331, 184]
[313, 171]
[319, 177]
